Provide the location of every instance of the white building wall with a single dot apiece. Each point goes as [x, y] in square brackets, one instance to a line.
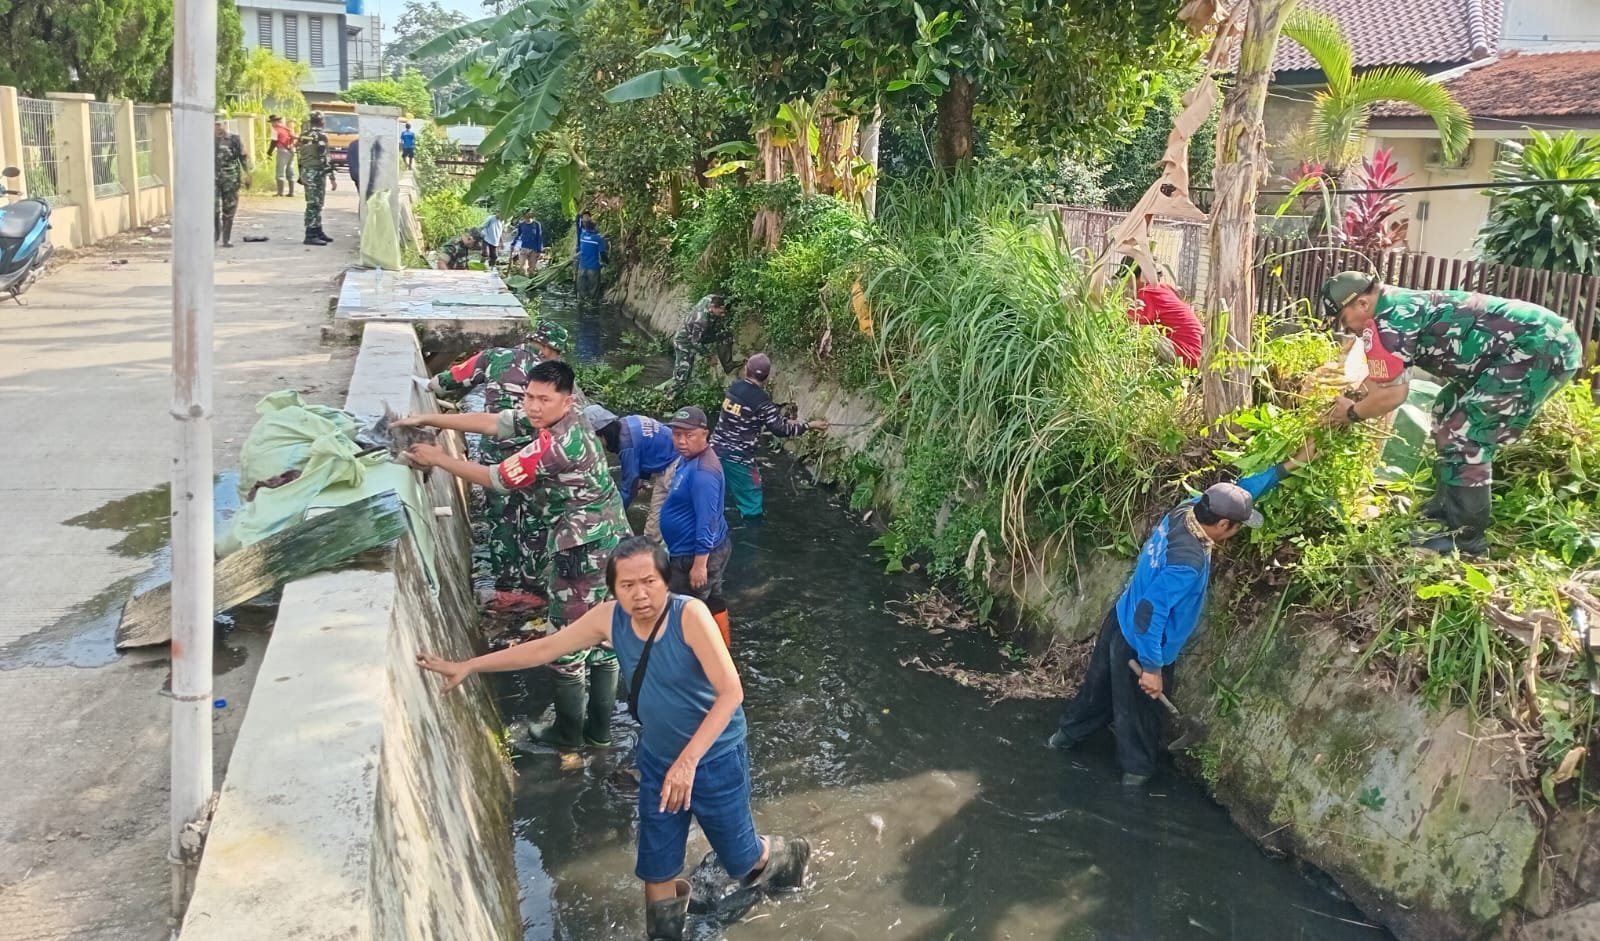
[325, 78]
[1550, 24]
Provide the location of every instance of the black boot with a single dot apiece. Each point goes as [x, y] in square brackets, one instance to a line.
[787, 859]
[227, 232]
[665, 920]
[602, 702]
[1467, 511]
[311, 239]
[323, 235]
[572, 694]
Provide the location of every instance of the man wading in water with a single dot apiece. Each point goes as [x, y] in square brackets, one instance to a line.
[1155, 617]
[687, 696]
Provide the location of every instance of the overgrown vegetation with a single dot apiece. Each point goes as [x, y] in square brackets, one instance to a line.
[1552, 227]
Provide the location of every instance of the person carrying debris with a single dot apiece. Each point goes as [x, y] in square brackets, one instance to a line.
[232, 169]
[693, 757]
[564, 470]
[644, 449]
[1499, 360]
[1148, 626]
[746, 411]
[693, 522]
[316, 176]
[703, 326]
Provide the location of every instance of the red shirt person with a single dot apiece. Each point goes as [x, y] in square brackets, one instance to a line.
[1158, 305]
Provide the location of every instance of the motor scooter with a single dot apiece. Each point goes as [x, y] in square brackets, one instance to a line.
[24, 245]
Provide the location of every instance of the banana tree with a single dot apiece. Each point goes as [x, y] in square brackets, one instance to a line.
[1342, 111]
[515, 74]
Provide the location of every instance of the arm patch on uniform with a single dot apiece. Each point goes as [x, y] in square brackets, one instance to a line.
[463, 370]
[519, 470]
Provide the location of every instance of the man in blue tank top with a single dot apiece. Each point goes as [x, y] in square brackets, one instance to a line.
[692, 755]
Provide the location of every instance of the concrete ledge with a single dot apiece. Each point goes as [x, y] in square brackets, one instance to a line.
[359, 803]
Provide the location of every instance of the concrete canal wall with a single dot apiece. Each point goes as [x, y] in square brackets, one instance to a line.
[1445, 844]
[359, 803]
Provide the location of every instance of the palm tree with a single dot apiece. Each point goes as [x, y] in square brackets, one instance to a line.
[1341, 111]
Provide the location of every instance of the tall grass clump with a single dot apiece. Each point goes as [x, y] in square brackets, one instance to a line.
[991, 344]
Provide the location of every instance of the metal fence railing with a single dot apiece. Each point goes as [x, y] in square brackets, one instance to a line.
[143, 120]
[40, 147]
[103, 148]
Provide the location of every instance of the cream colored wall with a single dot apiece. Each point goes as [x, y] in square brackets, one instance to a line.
[1453, 217]
[1541, 25]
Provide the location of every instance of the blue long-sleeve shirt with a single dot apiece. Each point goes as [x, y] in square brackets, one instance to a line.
[1160, 608]
[644, 446]
[692, 519]
[591, 248]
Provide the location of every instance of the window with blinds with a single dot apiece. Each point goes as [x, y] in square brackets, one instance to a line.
[291, 37]
[264, 30]
[315, 35]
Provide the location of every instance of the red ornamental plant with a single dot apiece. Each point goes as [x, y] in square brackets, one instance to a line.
[1374, 224]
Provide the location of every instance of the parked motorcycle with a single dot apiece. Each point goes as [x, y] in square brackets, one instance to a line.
[24, 244]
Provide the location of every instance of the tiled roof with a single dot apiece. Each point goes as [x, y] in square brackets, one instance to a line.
[1423, 33]
[1521, 84]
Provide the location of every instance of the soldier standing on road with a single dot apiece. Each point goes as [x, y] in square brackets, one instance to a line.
[231, 170]
[703, 327]
[316, 175]
[564, 468]
[1499, 360]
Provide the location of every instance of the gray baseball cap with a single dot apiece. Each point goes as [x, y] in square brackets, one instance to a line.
[1231, 502]
[599, 416]
[688, 418]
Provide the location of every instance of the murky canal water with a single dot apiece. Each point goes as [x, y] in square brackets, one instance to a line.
[933, 815]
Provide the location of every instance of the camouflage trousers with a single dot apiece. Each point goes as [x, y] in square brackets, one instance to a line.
[227, 206]
[578, 583]
[316, 186]
[1472, 421]
[684, 352]
[516, 538]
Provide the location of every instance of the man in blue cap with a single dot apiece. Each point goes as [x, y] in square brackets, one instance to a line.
[1153, 619]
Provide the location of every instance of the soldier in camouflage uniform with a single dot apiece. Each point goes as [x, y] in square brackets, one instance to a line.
[231, 169]
[703, 327]
[316, 175]
[458, 250]
[1499, 360]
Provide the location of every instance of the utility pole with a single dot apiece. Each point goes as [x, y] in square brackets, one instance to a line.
[194, 105]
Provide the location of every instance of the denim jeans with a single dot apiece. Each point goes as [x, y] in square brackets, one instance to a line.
[720, 801]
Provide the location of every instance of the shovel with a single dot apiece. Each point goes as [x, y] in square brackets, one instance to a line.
[1188, 730]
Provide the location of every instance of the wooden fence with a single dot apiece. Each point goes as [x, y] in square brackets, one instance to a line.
[1290, 272]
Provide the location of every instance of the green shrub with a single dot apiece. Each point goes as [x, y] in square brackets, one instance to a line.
[1551, 227]
[442, 215]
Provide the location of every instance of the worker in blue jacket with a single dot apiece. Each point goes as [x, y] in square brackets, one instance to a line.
[644, 449]
[1155, 617]
[590, 251]
[694, 524]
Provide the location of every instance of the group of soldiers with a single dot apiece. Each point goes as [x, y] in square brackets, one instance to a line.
[553, 509]
[232, 170]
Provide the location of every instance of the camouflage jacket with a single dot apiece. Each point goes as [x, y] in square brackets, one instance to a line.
[564, 469]
[311, 153]
[455, 253]
[702, 326]
[503, 373]
[230, 164]
[1457, 335]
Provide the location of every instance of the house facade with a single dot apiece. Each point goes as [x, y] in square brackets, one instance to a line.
[1513, 64]
[334, 38]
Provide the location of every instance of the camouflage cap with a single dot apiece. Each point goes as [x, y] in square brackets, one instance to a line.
[1344, 287]
[552, 335]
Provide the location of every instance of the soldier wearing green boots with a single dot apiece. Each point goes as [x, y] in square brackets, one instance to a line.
[563, 469]
[1499, 360]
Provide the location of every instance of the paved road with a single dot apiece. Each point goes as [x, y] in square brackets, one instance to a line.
[84, 394]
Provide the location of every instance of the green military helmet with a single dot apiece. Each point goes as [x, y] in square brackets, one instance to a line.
[552, 335]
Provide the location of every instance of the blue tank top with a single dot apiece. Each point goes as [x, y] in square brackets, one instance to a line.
[676, 695]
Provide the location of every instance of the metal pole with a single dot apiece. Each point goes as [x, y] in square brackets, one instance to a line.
[194, 100]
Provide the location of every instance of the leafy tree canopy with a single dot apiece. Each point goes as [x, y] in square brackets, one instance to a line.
[409, 93]
[108, 48]
[421, 22]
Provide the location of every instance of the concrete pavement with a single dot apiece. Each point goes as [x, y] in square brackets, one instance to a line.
[84, 395]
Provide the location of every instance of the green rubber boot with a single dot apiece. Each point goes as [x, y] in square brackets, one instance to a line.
[602, 700]
[572, 696]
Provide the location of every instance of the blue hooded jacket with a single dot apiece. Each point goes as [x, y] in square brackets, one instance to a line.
[1160, 608]
[644, 449]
